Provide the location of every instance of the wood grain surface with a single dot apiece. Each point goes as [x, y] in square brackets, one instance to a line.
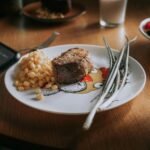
[124, 128]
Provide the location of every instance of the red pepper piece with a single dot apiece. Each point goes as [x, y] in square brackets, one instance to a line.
[87, 78]
[147, 26]
[105, 72]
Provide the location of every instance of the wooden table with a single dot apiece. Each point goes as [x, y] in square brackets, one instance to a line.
[124, 128]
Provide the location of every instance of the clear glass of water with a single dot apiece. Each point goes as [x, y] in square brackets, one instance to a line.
[112, 12]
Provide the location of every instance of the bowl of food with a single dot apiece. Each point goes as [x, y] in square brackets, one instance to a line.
[57, 6]
[58, 11]
[144, 28]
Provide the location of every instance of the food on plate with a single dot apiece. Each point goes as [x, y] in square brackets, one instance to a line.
[34, 71]
[105, 72]
[37, 71]
[45, 14]
[70, 72]
[74, 88]
[39, 94]
[71, 66]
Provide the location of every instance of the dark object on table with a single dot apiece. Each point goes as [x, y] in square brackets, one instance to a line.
[147, 28]
[9, 7]
[57, 6]
[8, 56]
[148, 32]
[31, 11]
[72, 66]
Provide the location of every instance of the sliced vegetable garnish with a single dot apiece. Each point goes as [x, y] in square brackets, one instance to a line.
[73, 88]
[87, 78]
[94, 71]
[47, 92]
[105, 72]
[98, 85]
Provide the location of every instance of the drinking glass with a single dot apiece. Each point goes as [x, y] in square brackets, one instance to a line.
[112, 12]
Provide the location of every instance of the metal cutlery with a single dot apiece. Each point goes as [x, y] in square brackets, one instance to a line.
[7, 60]
[46, 43]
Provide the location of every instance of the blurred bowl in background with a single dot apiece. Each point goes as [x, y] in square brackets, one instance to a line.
[36, 12]
[10, 7]
[57, 6]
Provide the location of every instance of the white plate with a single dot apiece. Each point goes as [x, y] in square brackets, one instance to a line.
[68, 103]
[141, 27]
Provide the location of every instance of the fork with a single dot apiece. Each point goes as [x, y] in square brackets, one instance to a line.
[46, 43]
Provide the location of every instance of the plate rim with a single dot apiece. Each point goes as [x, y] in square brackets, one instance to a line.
[80, 113]
[57, 20]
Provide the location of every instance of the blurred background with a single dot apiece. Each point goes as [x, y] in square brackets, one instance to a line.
[19, 32]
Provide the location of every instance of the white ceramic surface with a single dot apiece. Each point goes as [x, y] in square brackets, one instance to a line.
[141, 27]
[73, 103]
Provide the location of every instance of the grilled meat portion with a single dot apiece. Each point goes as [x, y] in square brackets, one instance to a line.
[71, 66]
